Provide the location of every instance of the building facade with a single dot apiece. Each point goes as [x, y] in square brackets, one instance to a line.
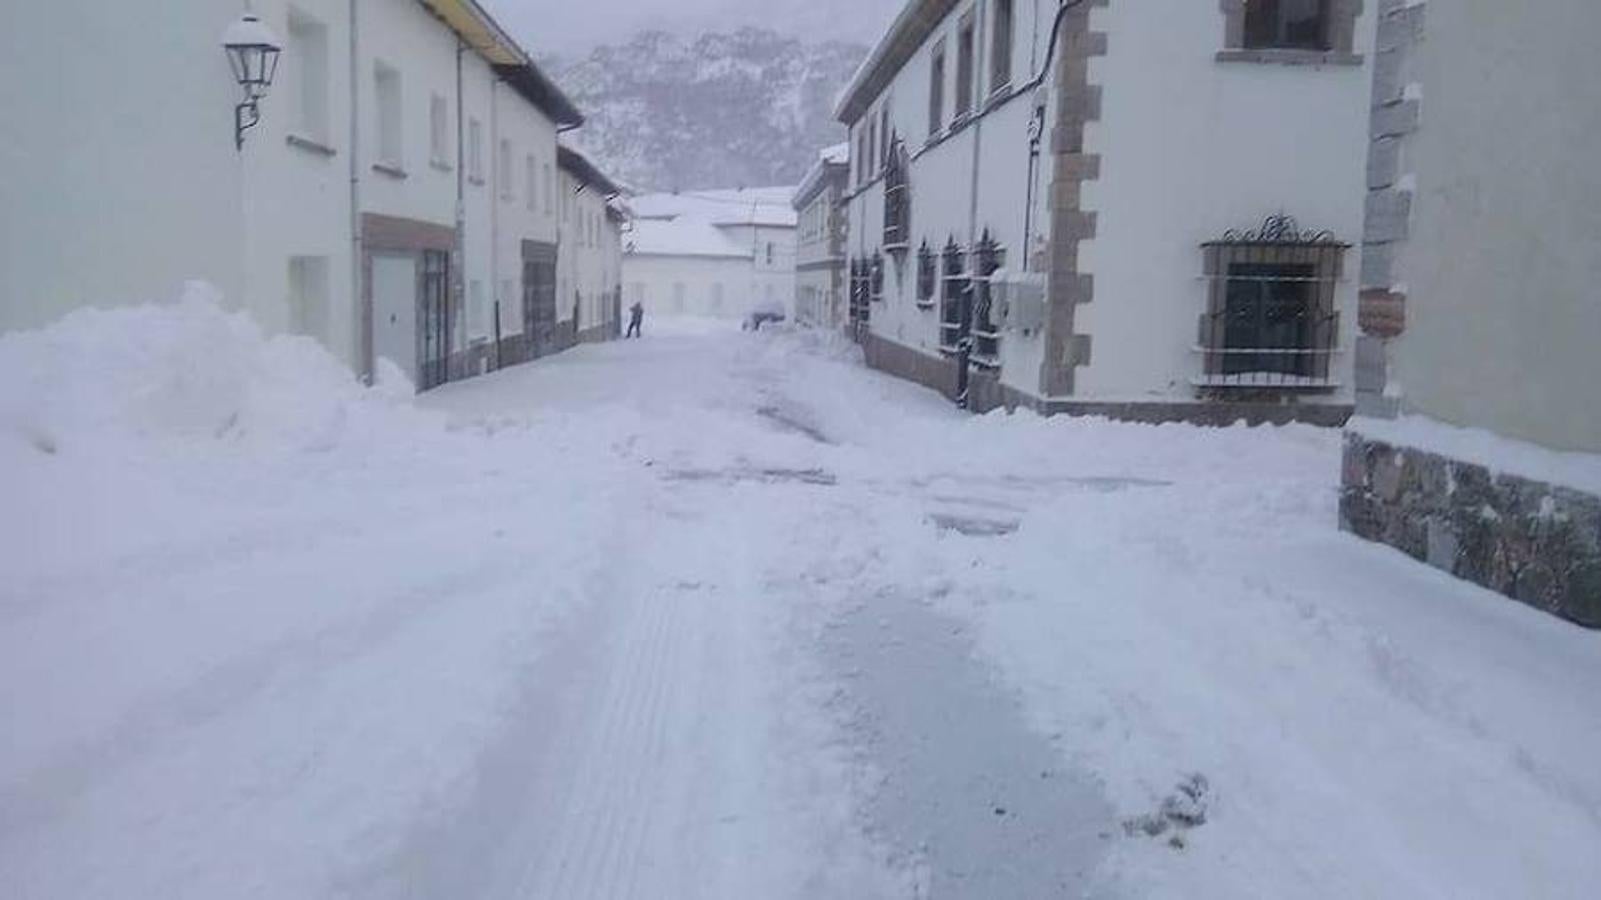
[716, 253]
[1103, 207]
[388, 202]
[1480, 301]
[592, 260]
[820, 283]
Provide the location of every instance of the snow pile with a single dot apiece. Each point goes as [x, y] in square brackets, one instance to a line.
[187, 371]
[1581, 471]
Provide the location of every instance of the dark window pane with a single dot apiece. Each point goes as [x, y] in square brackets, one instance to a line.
[1268, 307]
[1292, 24]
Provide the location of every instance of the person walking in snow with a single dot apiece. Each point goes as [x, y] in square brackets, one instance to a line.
[636, 315]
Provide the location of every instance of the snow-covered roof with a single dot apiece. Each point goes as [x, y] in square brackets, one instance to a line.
[681, 236]
[765, 206]
[833, 160]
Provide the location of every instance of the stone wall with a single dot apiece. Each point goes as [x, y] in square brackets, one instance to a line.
[1535, 542]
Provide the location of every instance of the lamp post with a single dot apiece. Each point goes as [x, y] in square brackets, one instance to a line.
[253, 54]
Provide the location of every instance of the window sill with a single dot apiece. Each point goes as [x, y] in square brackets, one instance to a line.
[440, 165]
[1289, 57]
[475, 180]
[390, 169]
[925, 304]
[310, 145]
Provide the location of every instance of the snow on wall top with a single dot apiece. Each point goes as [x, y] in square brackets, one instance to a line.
[766, 206]
[681, 236]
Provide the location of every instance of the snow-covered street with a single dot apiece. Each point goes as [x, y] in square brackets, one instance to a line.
[726, 615]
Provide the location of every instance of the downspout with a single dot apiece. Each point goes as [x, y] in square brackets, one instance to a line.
[494, 209]
[1037, 124]
[358, 303]
[964, 342]
[458, 273]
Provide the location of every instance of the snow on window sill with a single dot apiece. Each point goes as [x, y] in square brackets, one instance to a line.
[1285, 56]
[393, 170]
[310, 145]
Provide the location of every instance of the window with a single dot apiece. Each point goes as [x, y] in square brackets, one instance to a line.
[925, 275]
[1287, 24]
[477, 309]
[1001, 46]
[1270, 319]
[386, 82]
[308, 61]
[436, 328]
[871, 159]
[550, 190]
[936, 90]
[531, 171]
[987, 258]
[308, 296]
[475, 151]
[897, 198]
[964, 66]
[439, 131]
[506, 300]
[769, 252]
[678, 296]
[953, 297]
[861, 291]
[875, 275]
[717, 296]
[884, 136]
[503, 170]
[861, 153]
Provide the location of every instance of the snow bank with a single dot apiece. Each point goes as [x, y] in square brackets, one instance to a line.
[186, 371]
[1581, 471]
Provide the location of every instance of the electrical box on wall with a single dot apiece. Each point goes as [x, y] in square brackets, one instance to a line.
[1019, 299]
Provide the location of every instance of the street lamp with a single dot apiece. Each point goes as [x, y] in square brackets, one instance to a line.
[253, 53]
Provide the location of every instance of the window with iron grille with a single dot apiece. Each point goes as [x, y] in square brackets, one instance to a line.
[875, 274]
[897, 199]
[860, 310]
[926, 275]
[1270, 320]
[953, 297]
[1287, 24]
[987, 258]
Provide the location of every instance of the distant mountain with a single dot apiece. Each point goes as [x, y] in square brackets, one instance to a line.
[738, 109]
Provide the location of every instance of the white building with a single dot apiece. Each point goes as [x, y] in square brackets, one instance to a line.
[820, 283]
[1481, 307]
[398, 188]
[591, 252]
[720, 253]
[1126, 208]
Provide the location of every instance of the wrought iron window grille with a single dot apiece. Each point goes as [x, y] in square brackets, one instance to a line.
[897, 198]
[926, 276]
[1270, 322]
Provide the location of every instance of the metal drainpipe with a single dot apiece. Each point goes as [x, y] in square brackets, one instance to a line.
[458, 274]
[494, 207]
[358, 303]
[964, 341]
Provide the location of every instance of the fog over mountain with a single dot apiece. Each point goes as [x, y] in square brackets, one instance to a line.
[569, 28]
[737, 109]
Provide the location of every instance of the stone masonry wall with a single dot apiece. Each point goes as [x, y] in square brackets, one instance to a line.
[1535, 542]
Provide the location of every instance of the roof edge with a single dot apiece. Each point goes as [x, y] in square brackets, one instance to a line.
[906, 34]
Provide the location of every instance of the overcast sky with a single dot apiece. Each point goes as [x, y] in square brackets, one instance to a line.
[572, 27]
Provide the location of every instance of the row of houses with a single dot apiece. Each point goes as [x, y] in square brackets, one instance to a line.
[1268, 210]
[386, 176]
[711, 253]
